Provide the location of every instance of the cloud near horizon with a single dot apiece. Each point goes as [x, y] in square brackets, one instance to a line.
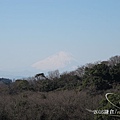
[57, 61]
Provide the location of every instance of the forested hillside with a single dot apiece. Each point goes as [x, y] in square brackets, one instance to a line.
[65, 96]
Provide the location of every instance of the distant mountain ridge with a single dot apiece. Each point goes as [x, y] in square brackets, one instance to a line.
[5, 80]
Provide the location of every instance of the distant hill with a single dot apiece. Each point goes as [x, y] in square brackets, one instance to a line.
[5, 80]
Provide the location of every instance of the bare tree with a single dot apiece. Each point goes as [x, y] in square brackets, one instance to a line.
[53, 74]
[114, 60]
[80, 71]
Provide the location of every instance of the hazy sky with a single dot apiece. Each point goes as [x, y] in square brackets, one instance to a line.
[41, 34]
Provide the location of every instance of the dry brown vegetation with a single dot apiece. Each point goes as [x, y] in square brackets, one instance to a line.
[59, 105]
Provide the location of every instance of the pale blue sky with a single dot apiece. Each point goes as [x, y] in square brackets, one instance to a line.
[33, 30]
